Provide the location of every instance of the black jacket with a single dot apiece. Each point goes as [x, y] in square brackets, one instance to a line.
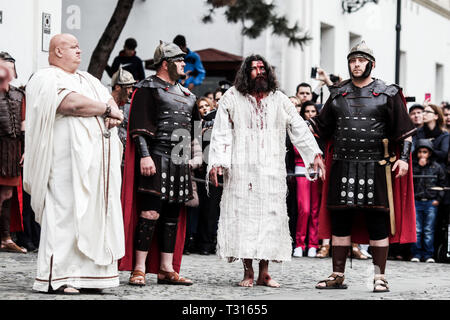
[422, 185]
[440, 140]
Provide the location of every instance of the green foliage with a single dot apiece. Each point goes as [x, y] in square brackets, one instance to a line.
[260, 16]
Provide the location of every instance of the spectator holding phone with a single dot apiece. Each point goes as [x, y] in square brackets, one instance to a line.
[434, 130]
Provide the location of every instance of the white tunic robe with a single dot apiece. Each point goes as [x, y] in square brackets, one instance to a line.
[66, 172]
[250, 142]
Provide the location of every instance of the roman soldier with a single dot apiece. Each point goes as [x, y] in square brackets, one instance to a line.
[12, 115]
[369, 132]
[157, 179]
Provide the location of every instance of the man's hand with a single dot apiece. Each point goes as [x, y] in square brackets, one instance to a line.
[116, 113]
[319, 167]
[111, 123]
[21, 160]
[402, 168]
[323, 76]
[213, 175]
[147, 166]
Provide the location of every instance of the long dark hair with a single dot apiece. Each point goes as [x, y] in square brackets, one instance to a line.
[242, 80]
[307, 104]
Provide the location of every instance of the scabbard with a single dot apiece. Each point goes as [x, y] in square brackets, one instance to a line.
[390, 198]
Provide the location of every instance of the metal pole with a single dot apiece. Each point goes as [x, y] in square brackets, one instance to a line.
[398, 28]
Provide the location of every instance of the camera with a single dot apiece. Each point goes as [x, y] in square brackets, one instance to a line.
[334, 78]
[208, 119]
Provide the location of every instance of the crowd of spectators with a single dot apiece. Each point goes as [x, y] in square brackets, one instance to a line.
[430, 158]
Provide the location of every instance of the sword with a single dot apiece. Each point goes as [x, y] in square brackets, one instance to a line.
[386, 162]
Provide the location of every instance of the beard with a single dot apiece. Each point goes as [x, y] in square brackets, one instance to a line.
[173, 71]
[259, 85]
[123, 95]
[365, 74]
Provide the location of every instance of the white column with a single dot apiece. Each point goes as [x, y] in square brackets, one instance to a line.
[292, 55]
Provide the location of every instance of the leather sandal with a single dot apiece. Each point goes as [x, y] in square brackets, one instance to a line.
[65, 290]
[324, 251]
[165, 277]
[380, 282]
[357, 254]
[137, 278]
[334, 281]
[12, 247]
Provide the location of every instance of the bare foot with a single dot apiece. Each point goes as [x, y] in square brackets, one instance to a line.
[246, 283]
[266, 280]
[248, 279]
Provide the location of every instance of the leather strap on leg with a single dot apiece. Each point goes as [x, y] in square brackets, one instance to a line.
[145, 229]
[5, 212]
[168, 234]
[339, 255]
[379, 256]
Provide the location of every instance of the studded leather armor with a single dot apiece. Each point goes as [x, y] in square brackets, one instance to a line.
[361, 115]
[10, 113]
[10, 133]
[175, 105]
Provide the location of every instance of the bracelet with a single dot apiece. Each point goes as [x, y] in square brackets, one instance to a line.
[107, 111]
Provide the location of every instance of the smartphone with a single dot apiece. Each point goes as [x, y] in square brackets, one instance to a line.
[313, 72]
[427, 96]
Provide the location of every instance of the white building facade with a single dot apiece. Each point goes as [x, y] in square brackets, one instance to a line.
[26, 27]
[425, 40]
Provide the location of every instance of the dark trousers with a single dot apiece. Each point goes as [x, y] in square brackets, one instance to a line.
[209, 212]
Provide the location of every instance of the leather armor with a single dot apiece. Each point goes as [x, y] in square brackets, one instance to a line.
[175, 104]
[10, 134]
[361, 115]
[10, 113]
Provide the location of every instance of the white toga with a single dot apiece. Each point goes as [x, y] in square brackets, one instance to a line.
[66, 173]
[249, 141]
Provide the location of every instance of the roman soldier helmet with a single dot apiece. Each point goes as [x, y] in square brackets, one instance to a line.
[122, 78]
[361, 50]
[5, 56]
[167, 51]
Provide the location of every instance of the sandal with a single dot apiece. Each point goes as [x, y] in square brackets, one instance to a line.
[12, 247]
[324, 251]
[165, 277]
[380, 282]
[65, 290]
[334, 281]
[137, 278]
[357, 254]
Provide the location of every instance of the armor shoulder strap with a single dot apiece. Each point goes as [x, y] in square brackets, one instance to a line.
[392, 90]
[149, 82]
[17, 90]
[339, 88]
[187, 92]
[389, 90]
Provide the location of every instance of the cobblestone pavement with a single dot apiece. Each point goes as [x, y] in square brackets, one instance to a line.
[216, 279]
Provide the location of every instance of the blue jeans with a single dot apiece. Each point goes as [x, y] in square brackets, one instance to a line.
[425, 225]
